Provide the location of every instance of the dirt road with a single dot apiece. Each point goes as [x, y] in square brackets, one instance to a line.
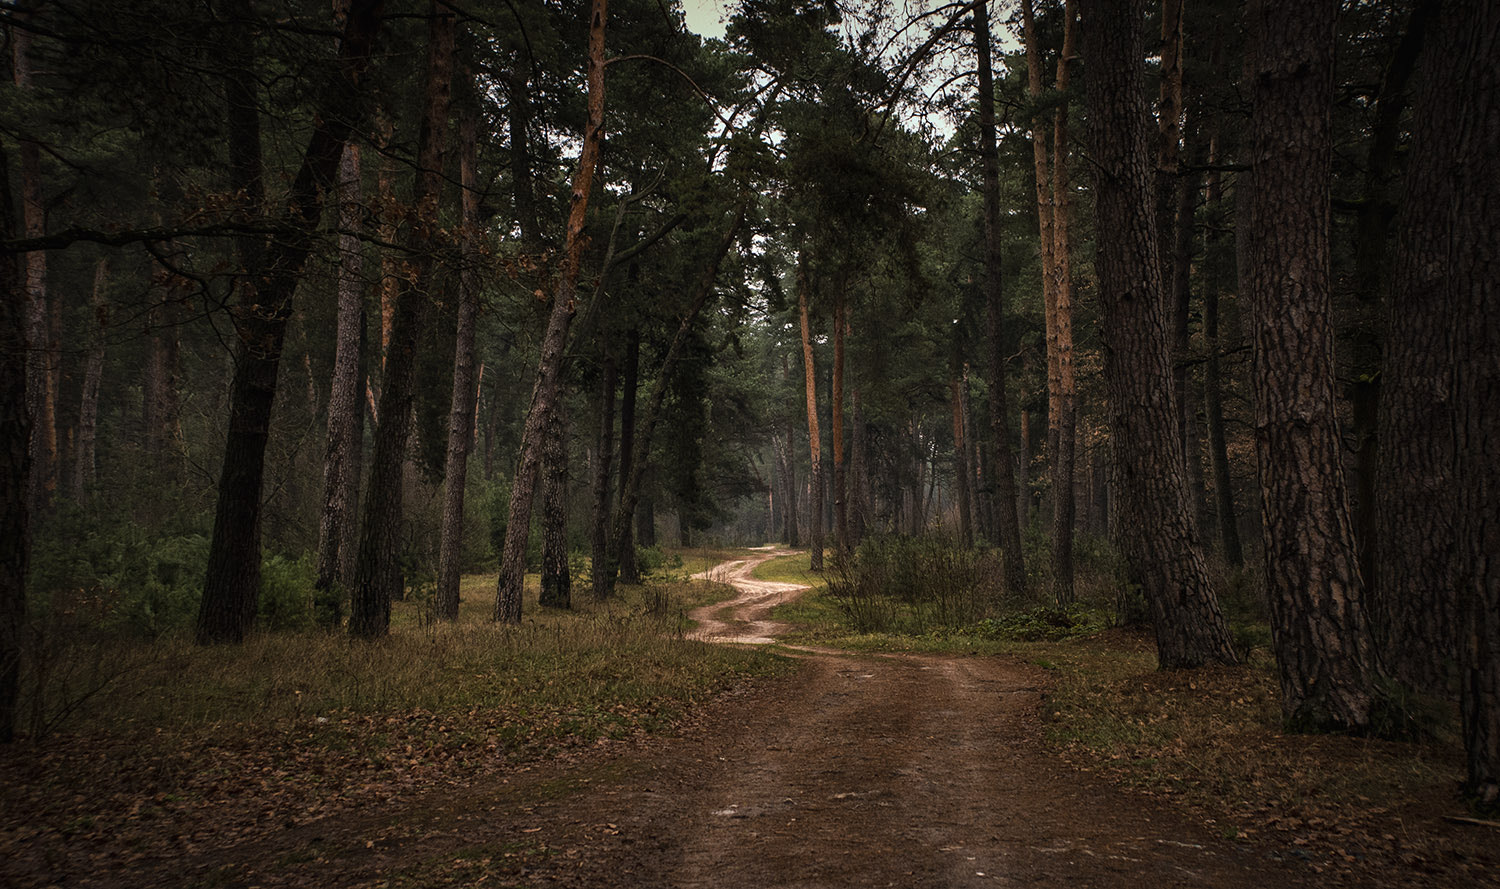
[859, 770]
[745, 618]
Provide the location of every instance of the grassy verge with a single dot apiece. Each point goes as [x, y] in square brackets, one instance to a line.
[298, 725]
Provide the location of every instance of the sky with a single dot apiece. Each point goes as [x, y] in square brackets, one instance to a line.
[705, 17]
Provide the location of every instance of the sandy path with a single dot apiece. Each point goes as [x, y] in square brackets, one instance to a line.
[746, 617]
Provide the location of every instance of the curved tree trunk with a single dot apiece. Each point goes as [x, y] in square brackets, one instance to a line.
[1318, 623]
[1152, 497]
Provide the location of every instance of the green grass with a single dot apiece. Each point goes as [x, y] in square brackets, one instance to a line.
[790, 568]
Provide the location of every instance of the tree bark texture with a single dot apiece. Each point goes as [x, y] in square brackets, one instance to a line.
[556, 579]
[1066, 454]
[377, 573]
[1319, 629]
[1453, 192]
[15, 451]
[40, 397]
[545, 394]
[263, 306]
[814, 438]
[840, 485]
[629, 569]
[345, 414]
[1162, 544]
[84, 467]
[461, 419]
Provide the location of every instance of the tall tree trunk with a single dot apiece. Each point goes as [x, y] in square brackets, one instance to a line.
[545, 394]
[1371, 249]
[1460, 75]
[377, 573]
[961, 478]
[345, 414]
[88, 401]
[1065, 452]
[1431, 448]
[793, 536]
[1007, 524]
[39, 387]
[557, 581]
[15, 451]
[390, 266]
[630, 571]
[465, 394]
[1162, 544]
[1318, 620]
[602, 573]
[840, 485]
[814, 440]
[1213, 405]
[1186, 193]
[263, 306]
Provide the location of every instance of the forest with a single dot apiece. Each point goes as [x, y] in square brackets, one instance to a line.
[418, 361]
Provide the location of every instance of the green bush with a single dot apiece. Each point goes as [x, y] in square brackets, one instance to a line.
[651, 560]
[915, 585]
[287, 598]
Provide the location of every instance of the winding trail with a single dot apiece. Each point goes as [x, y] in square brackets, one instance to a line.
[745, 618]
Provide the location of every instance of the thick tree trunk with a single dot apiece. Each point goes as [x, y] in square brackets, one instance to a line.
[544, 396]
[15, 452]
[88, 401]
[814, 439]
[1462, 72]
[1318, 623]
[263, 306]
[1446, 297]
[630, 571]
[345, 414]
[556, 579]
[377, 573]
[602, 573]
[465, 395]
[1162, 545]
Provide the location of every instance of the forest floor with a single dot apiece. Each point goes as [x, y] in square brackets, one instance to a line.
[855, 769]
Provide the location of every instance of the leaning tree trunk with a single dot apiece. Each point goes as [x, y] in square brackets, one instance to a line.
[814, 441]
[340, 483]
[1453, 229]
[377, 573]
[1318, 625]
[545, 394]
[1152, 496]
[263, 306]
[465, 395]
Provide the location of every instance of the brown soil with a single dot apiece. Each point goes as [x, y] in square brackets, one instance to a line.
[859, 770]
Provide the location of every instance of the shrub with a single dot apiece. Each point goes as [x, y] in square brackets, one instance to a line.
[915, 584]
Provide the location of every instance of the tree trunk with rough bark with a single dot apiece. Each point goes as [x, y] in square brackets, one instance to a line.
[814, 439]
[88, 402]
[630, 571]
[601, 573]
[263, 306]
[345, 414]
[1318, 624]
[545, 394]
[465, 395]
[1162, 544]
[15, 452]
[377, 573]
[556, 579]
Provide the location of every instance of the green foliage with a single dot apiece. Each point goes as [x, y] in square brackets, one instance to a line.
[651, 560]
[287, 600]
[1043, 624]
[914, 584]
